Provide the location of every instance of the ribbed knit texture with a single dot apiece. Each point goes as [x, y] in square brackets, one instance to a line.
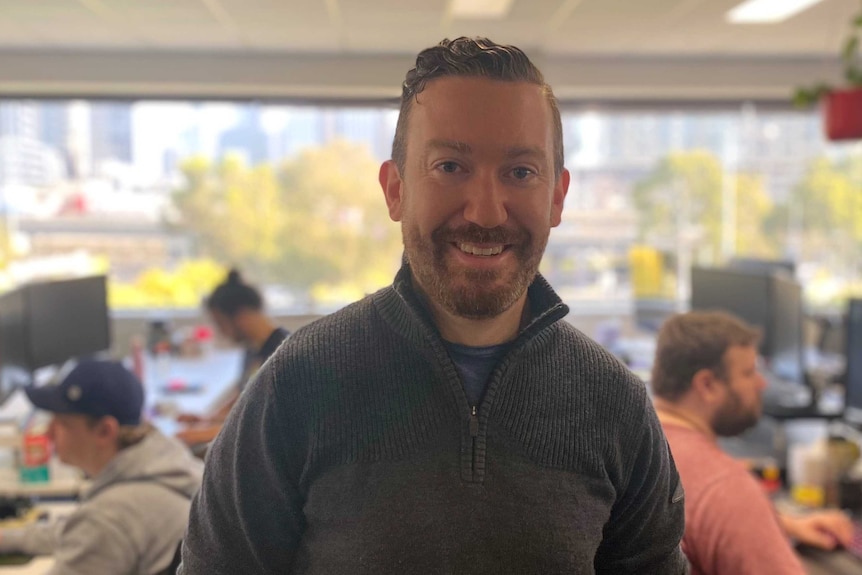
[356, 439]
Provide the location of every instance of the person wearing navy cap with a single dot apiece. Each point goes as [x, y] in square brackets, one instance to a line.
[134, 513]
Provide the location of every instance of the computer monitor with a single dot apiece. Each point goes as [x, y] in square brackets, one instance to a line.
[785, 349]
[47, 323]
[770, 301]
[68, 319]
[853, 376]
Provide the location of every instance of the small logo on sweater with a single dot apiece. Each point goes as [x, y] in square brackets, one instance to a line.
[678, 493]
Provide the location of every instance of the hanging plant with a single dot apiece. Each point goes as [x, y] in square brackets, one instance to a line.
[842, 107]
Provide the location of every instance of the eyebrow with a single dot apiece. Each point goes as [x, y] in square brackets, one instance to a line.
[463, 148]
[521, 151]
[453, 145]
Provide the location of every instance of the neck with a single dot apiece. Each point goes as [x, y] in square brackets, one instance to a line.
[675, 413]
[99, 462]
[478, 332]
[259, 331]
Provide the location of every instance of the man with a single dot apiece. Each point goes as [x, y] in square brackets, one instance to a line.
[132, 517]
[450, 423]
[237, 310]
[706, 385]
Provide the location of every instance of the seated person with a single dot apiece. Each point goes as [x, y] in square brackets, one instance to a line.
[237, 310]
[706, 384]
[133, 516]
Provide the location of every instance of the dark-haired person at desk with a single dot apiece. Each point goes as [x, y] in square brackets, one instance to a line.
[706, 385]
[237, 310]
[132, 517]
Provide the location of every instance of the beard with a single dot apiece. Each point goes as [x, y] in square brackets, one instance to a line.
[466, 292]
[733, 418]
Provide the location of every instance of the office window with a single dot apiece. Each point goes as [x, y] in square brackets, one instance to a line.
[164, 196]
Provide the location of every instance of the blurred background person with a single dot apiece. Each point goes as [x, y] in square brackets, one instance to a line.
[237, 310]
[706, 385]
[133, 515]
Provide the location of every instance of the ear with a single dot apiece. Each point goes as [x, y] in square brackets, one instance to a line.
[561, 188]
[108, 429]
[393, 189]
[708, 387]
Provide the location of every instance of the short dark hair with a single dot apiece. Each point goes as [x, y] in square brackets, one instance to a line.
[472, 57]
[693, 341]
[232, 295]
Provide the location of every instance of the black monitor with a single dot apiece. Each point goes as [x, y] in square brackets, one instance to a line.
[853, 376]
[770, 301]
[786, 340]
[47, 323]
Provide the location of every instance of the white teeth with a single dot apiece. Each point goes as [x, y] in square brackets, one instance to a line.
[476, 251]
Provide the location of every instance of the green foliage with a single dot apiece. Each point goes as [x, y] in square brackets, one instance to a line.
[317, 220]
[851, 62]
[828, 210]
[184, 287]
[683, 197]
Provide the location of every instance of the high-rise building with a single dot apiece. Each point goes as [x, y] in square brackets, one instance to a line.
[111, 132]
[24, 159]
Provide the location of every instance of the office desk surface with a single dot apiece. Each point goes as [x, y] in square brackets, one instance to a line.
[818, 562]
[36, 566]
[40, 565]
[65, 482]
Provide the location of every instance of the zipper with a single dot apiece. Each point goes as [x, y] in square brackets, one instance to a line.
[474, 433]
[474, 422]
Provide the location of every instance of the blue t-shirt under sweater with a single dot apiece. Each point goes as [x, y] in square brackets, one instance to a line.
[475, 365]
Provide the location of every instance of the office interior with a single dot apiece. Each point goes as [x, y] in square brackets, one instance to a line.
[696, 184]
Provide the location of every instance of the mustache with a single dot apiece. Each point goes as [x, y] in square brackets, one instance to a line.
[475, 234]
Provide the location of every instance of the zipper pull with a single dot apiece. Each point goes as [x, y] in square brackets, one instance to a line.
[474, 421]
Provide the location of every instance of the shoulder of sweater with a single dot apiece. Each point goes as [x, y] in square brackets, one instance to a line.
[342, 321]
[583, 349]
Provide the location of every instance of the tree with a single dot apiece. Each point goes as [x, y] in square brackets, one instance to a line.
[317, 222]
[825, 213]
[682, 200]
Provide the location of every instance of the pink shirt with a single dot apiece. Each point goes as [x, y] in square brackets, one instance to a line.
[731, 527]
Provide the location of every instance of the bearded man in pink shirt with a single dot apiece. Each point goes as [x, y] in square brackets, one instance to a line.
[706, 385]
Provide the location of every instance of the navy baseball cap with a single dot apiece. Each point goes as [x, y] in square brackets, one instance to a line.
[96, 388]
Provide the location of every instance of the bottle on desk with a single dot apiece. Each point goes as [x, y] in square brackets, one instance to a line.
[35, 453]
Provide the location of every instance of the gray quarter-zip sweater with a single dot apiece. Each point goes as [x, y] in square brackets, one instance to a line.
[355, 451]
[130, 520]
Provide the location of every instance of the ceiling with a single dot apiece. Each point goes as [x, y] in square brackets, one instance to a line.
[44, 42]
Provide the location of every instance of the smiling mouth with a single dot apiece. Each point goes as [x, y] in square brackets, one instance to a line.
[475, 250]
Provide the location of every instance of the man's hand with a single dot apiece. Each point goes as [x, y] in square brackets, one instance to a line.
[823, 529]
[189, 418]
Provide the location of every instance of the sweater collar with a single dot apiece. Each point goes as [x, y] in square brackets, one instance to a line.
[403, 308]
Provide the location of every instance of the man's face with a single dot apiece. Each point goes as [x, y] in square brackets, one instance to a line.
[479, 195]
[744, 384]
[74, 439]
[227, 326]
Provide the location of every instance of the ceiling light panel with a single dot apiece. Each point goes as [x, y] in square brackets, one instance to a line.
[768, 11]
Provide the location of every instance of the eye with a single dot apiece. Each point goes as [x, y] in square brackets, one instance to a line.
[522, 173]
[448, 167]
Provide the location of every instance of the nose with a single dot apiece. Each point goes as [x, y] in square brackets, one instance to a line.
[485, 203]
[50, 432]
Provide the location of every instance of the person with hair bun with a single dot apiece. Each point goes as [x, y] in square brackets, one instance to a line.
[237, 310]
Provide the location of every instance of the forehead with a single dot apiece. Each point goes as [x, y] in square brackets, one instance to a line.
[740, 355]
[71, 420]
[481, 112]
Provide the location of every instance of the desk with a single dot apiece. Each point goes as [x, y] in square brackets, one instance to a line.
[215, 372]
[36, 566]
[65, 483]
[40, 565]
[817, 562]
